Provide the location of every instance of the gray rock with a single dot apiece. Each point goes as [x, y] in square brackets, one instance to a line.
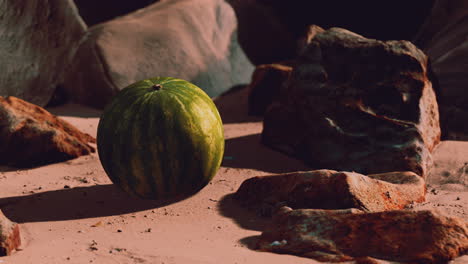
[191, 40]
[38, 39]
[357, 104]
[328, 189]
[349, 234]
[444, 38]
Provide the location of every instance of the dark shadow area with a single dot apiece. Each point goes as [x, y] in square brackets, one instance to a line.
[74, 110]
[268, 29]
[94, 12]
[4, 168]
[232, 106]
[250, 242]
[76, 203]
[249, 153]
[229, 207]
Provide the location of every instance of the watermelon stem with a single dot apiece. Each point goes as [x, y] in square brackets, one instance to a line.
[157, 87]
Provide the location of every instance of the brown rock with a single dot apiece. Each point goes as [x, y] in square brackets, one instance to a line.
[31, 136]
[266, 85]
[327, 189]
[9, 235]
[443, 38]
[38, 40]
[357, 104]
[341, 235]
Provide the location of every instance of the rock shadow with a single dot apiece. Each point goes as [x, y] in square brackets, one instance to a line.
[233, 106]
[244, 218]
[76, 203]
[249, 153]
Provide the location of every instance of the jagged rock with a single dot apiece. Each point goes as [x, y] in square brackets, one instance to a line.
[195, 40]
[266, 85]
[31, 136]
[38, 39]
[342, 235]
[9, 235]
[357, 104]
[443, 38]
[328, 189]
[95, 12]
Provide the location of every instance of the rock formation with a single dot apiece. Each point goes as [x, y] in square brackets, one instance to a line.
[191, 40]
[31, 136]
[344, 235]
[357, 104]
[38, 39]
[327, 189]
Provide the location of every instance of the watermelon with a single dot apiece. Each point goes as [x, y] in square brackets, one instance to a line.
[161, 138]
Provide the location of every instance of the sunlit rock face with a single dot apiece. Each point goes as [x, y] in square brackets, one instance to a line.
[37, 42]
[444, 38]
[191, 40]
[357, 104]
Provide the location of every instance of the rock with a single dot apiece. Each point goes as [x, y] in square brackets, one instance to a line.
[31, 136]
[357, 104]
[266, 85]
[443, 38]
[342, 235]
[195, 40]
[328, 189]
[9, 236]
[95, 12]
[38, 39]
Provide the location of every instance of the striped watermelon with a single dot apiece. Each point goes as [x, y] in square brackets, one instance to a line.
[161, 138]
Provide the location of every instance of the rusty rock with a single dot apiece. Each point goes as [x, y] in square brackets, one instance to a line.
[357, 104]
[343, 235]
[9, 235]
[328, 189]
[31, 136]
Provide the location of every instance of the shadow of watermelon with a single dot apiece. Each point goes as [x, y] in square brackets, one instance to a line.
[76, 203]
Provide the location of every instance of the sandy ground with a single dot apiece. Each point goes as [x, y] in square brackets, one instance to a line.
[71, 213]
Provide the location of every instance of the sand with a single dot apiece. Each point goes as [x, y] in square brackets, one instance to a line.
[70, 212]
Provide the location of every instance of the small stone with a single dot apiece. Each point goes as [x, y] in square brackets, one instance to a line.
[10, 238]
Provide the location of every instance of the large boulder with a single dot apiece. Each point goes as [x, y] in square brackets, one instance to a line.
[38, 39]
[348, 234]
[195, 40]
[357, 104]
[31, 136]
[328, 189]
[444, 38]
